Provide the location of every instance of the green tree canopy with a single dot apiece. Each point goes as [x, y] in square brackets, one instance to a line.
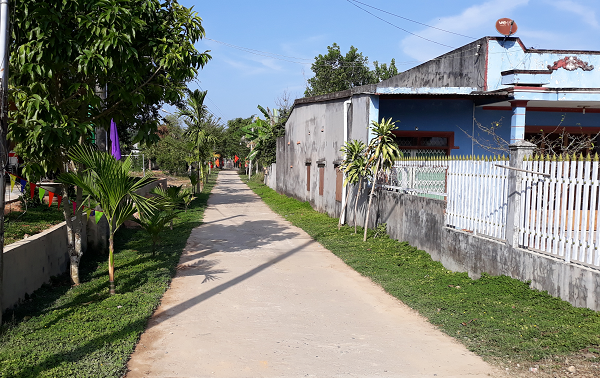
[336, 72]
[62, 52]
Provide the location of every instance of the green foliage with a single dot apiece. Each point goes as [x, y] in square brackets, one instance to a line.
[355, 161]
[81, 331]
[335, 72]
[380, 231]
[383, 147]
[154, 223]
[107, 182]
[263, 134]
[232, 142]
[384, 71]
[173, 150]
[499, 317]
[142, 51]
[176, 195]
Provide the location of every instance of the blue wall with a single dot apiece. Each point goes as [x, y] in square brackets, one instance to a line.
[454, 115]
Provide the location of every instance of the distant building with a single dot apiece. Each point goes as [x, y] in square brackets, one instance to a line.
[442, 108]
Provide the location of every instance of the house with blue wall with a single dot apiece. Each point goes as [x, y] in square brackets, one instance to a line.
[474, 100]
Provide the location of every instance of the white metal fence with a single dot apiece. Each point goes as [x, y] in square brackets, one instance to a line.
[477, 196]
[560, 200]
[560, 211]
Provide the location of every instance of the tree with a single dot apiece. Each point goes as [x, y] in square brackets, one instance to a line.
[335, 72]
[383, 152]
[172, 150]
[107, 181]
[232, 143]
[384, 72]
[203, 130]
[65, 53]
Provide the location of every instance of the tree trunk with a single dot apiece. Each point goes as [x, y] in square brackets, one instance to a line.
[371, 199]
[70, 232]
[77, 251]
[344, 208]
[356, 201]
[111, 262]
[198, 188]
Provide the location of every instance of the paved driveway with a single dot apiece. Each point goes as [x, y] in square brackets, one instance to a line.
[257, 297]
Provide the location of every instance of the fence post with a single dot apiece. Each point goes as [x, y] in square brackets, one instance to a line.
[518, 151]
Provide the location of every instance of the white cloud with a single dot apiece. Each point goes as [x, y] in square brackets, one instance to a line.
[474, 21]
[587, 14]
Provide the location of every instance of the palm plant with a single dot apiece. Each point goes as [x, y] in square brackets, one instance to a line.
[154, 222]
[196, 115]
[354, 158]
[107, 182]
[382, 151]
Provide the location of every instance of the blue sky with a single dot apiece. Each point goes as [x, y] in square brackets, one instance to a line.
[237, 80]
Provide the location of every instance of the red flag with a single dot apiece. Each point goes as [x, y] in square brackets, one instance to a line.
[59, 201]
[236, 158]
[31, 188]
[50, 198]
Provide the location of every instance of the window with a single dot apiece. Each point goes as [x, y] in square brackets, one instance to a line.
[425, 143]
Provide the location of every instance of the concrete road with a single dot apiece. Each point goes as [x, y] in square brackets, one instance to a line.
[255, 296]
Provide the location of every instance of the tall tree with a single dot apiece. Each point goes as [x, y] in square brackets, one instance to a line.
[202, 131]
[336, 72]
[62, 52]
[384, 71]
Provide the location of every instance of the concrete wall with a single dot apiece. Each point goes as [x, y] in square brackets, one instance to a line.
[30, 263]
[145, 191]
[420, 222]
[270, 176]
[463, 67]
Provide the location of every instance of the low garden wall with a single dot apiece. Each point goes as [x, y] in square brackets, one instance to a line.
[29, 263]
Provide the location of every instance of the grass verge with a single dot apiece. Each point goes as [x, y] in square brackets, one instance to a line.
[500, 318]
[64, 331]
[34, 220]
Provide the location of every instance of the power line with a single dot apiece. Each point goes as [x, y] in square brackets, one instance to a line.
[398, 27]
[416, 22]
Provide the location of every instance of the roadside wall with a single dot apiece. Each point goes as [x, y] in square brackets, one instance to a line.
[29, 263]
[420, 222]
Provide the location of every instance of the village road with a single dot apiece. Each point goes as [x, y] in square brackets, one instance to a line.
[255, 296]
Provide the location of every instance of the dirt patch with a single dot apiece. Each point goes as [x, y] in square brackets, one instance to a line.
[584, 364]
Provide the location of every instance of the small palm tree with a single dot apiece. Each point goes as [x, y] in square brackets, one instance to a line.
[354, 157]
[154, 222]
[107, 181]
[382, 151]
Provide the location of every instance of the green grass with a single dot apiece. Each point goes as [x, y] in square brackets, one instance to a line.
[496, 317]
[64, 331]
[35, 220]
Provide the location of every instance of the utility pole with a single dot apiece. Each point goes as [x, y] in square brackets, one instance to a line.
[4, 28]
